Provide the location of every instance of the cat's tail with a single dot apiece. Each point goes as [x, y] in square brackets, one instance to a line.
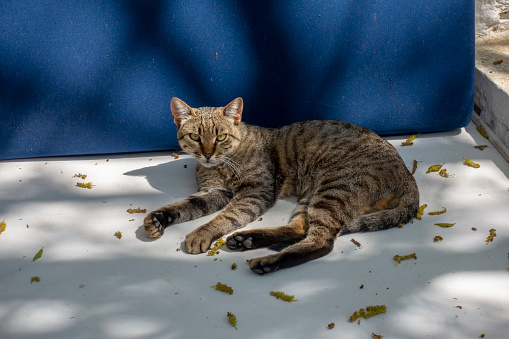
[405, 211]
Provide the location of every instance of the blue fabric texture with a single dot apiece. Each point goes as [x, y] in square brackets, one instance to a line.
[91, 77]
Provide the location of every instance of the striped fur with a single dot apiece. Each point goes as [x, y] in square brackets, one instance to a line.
[347, 179]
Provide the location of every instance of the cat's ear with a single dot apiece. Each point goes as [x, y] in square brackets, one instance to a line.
[180, 111]
[234, 110]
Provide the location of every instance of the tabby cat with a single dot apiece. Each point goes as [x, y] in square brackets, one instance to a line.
[347, 179]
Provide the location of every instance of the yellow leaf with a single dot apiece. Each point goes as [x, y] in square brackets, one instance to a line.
[443, 224]
[434, 168]
[38, 255]
[3, 225]
[438, 212]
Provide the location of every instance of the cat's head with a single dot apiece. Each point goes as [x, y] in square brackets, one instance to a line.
[211, 134]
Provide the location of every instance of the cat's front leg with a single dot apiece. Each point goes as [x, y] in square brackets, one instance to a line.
[244, 208]
[193, 207]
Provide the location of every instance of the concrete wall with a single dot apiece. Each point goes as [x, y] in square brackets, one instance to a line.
[491, 16]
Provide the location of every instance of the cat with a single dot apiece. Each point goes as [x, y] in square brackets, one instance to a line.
[347, 179]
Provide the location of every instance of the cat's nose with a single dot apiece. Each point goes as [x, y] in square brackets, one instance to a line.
[208, 155]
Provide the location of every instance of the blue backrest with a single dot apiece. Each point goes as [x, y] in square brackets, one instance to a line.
[88, 77]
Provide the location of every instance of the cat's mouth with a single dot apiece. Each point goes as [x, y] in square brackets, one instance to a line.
[208, 162]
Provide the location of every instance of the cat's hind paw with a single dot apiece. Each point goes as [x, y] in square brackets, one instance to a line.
[153, 225]
[264, 265]
[239, 242]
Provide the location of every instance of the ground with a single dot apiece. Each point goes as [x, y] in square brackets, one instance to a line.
[93, 284]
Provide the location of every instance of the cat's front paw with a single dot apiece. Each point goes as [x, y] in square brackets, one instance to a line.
[239, 242]
[155, 223]
[198, 241]
[264, 265]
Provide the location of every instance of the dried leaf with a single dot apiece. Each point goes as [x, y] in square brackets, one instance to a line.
[371, 311]
[443, 173]
[232, 319]
[38, 255]
[136, 210]
[399, 258]
[87, 185]
[491, 236]
[3, 225]
[36, 279]
[118, 234]
[409, 141]
[434, 168]
[438, 212]
[415, 166]
[355, 242]
[79, 175]
[420, 212]
[481, 130]
[481, 147]
[443, 224]
[223, 288]
[215, 250]
[470, 163]
[283, 296]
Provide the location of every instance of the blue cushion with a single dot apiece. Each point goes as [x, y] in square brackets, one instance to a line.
[83, 77]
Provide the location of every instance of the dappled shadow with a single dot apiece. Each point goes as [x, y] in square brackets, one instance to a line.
[93, 284]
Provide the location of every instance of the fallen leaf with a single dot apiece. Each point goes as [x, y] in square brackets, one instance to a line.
[38, 255]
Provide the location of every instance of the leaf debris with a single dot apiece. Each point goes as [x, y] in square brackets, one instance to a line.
[371, 311]
[444, 224]
[283, 296]
[438, 212]
[36, 279]
[399, 258]
[437, 238]
[443, 173]
[414, 169]
[136, 210]
[38, 255]
[331, 326]
[481, 130]
[232, 319]
[409, 141]
[79, 175]
[215, 250]
[355, 242]
[3, 225]
[83, 185]
[118, 234]
[223, 288]
[492, 235]
[434, 168]
[420, 212]
[481, 147]
[470, 163]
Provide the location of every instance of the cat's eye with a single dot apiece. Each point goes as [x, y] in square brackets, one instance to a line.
[221, 137]
[194, 136]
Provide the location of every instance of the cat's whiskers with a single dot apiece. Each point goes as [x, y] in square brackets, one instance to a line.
[233, 165]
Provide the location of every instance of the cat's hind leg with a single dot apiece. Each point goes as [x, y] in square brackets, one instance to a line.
[275, 237]
[325, 219]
